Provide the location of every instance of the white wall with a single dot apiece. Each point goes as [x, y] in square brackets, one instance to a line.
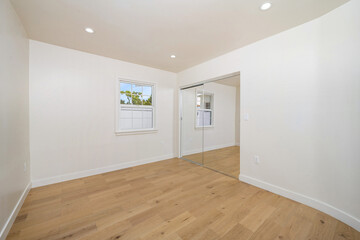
[72, 115]
[301, 89]
[222, 134]
[14, 115]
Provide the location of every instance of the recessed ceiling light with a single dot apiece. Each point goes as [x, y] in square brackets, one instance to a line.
[173, 56]
[89, 30]
[265, 6]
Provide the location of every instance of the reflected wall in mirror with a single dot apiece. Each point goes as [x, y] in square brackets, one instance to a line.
[191, 124]
[222, 137]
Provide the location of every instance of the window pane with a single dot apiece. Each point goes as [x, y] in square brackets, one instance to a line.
[147, 90]
[125, 87]
[126, 123]
[199, 118]
[137, 114]
[207, 101]
[147, 118]
[147, 114]
[126, 113]
[136, 89]
[147, 100]
[137, 123]
[136, 99]
[198, 100]
[147, 123]
[207, 118]
[125, 98]
[204, 118]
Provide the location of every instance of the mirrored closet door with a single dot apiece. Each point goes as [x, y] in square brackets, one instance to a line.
[192, 134]
[221, 131]
[210, 125]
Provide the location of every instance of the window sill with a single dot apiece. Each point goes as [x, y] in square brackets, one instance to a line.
[135, 132]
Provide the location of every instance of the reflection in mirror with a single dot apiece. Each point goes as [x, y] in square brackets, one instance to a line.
[191, 124]
[221, 101]
[204, 112]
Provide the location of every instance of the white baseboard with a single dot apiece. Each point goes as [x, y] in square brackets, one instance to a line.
[199, 150]
[6, 228]
[237, 144]
[311, 202]
[90, 172]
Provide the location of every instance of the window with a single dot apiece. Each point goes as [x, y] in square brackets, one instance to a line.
[135, 106]
[204, 109]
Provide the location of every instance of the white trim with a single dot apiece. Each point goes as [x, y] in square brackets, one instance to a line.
[95, 171]
[6, 228]
[179, 122]
[314, 203]
[136, 106]
[135, 132]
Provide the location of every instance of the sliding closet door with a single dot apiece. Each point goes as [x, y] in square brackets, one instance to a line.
[192, 135]
[221, 107]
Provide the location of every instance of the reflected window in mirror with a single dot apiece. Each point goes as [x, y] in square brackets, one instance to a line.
[204, 109]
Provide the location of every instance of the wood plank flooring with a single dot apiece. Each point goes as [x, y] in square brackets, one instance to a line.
[171, 200]
[225, 160]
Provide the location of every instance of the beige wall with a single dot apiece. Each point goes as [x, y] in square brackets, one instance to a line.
[14, 113]
[301, 89]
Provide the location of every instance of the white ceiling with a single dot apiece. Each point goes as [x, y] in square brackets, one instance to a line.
[147, 32]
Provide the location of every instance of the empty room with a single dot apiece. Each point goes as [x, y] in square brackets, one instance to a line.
[180, 119]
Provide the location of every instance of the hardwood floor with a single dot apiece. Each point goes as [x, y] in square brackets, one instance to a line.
[225, 160]
[172, 200]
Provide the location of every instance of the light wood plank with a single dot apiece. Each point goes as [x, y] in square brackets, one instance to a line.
[171, 200]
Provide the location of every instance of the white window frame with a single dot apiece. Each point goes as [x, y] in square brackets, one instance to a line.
[208, 110]
[118, 105]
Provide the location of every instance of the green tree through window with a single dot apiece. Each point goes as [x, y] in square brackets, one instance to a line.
[125, 97]
[147, 101]
[136, 98]
[128, 96]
